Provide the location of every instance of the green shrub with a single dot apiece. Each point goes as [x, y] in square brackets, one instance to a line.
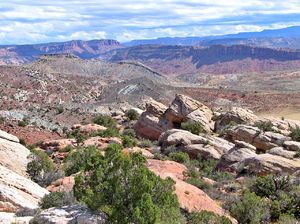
[180, 157]
[79, 137]
[287, 219]
[297, 155]
[105, 121]
[122, 186]
[57, 199]
[2, 120]
[130, 132]
[132, 114]
[295, 134]
[39, 165]
[251, 209]
[78, 159]
[264, 186]
[206, 217]
[22, 141]
[193, 127]
[60, 110]
[23, 123]
[145, 143]
[128, 141]
[265, 125]
[109, 132]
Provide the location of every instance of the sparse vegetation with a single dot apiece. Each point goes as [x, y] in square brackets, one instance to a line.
[193, 127]
[24, 122]
[180, 157]
[265, 126]
[145, 143]
[128, 141]
[123, 187]
[105, 121]
[132, 114]
[295, 134]
[57, 199]
[130, 132]
[39, 167]
[2, 120]
[60, 110]
[251, 209]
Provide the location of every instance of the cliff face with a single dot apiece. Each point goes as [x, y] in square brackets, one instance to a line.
[214, 59]
[19, 54]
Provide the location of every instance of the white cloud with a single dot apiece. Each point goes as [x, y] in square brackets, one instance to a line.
[39, 21]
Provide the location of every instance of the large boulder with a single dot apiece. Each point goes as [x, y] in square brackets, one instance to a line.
[190, 197]
[265, 164]
[18, 192]
[78, 214]
[13, 155]
[185, 108]
[158, 118]
[230, 160]
[236, 115]
[280, 151]
[291, 145]
[151, 124]
[205, 145]
[253, 135]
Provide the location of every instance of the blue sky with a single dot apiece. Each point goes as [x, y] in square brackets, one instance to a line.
[32, 21]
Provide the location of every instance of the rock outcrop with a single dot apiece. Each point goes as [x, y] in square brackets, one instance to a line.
[18, 192]
[230, 160]
[158, 118]
[253, 135]
[185, 108]
[206, 145]
[13, 155]
[190, 197]
[70, 214]
[264, 164]
[151, 124]
[236, 115]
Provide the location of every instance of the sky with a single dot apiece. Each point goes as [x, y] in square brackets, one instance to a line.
[38, 21]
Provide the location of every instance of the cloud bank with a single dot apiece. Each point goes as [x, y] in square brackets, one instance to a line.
[33, 21]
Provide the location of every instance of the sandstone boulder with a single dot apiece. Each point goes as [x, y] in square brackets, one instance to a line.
[185, 108]
[9, 137]
[151, 124]
[206, 145]
[261, 140]
[230, 160]
[13, 155]
[280, 151]
[291, 145]
[265, 164]
[9, 218]
[18, 192]
[79, 214]
[236, 115]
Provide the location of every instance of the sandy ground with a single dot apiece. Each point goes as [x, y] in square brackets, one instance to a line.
[288, 113]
